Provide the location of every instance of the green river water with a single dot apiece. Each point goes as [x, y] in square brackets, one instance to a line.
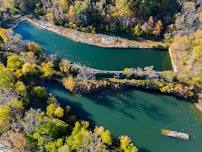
[138, 114]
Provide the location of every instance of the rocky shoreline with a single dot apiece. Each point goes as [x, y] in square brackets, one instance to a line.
[100, 40]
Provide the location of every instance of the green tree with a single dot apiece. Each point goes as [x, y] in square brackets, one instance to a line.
[39, 91]
[137, 31]
[6, 78]
[14, 62]
[21, 88]
[50, 109]
[78, 136]
[4, 117]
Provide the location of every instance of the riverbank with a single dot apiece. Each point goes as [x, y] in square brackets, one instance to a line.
[100, 40]
[199, 105]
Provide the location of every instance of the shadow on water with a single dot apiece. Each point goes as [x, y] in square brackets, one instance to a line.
[144, 150]
[64, 101]
[123, 101]
[127, 103]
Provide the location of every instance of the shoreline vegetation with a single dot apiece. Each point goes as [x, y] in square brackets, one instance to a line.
[186, 56]
[32, 119]
[100, 40]
[66, 32]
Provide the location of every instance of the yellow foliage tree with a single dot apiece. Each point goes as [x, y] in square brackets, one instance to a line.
[64, 4]
[126, 145]
[3, 37]
[197, 50]
[59, 112]
[21, 88]
[69, 83]
[127, 72]
[4, 117]
[106, 137]
[28, 68]
[50, 109]
[47, 69]
[123, 8]
[64, 66]
[72, 12]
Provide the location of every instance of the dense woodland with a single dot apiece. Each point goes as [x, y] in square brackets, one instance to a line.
[134, 18]
[151, 19]
[31, 119]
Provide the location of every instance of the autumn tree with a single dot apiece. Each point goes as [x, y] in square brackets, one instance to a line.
[14, 62]
[126, 145]
[6, 78]
[64, 66]
[137, 30]
[47, 69]
[21, 88]
[72, 13]
[50, 109]
[39, 91]
[59, 112]
[64, 4]
[158, 28]
[4, 117]
[28, 68]
[69, 83]
[104, 134]
[123, 8]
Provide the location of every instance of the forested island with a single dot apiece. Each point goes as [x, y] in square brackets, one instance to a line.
[33, 119]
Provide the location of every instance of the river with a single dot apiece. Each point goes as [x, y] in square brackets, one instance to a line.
[138, 114]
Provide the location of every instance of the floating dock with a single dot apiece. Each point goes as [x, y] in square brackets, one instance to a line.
[175, 134]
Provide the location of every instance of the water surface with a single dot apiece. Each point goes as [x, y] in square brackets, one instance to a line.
[96, 57]
[140, 115]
